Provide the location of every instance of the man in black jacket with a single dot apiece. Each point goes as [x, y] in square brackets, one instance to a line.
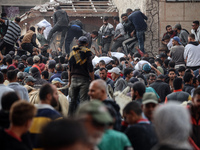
[140, 131]
[60, 20]
[161, 87]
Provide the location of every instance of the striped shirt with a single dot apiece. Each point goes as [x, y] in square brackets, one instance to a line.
[13, 32]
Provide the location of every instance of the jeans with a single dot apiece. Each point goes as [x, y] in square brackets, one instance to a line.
[116, 45]
[140, 36]
[78, 89]
[58, 28]
[73, 32]
[128, 42]
[7, 47]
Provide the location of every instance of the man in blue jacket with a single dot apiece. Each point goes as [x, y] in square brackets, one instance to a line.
[138, 20]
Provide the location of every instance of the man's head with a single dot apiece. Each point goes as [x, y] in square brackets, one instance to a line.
[57, 82]
[12, 75]
[195, 25]
[178, 84]
[16, 59]
[171, 64]
[188, 78]
[115, 73]
[181, 71]
[103, 73]
[172, 74]
[68, 135]
[95, 118]
[36, 59]
[94, 34]
[191, 38]
[132, 112]
[1, 78]
[32, 29]
[83, 41]
[176, 41]
[45, 75]
[178, 27]
[129, 11]
[57, 7]
[59, 67]
[151, 78]
[196, 100]
[137, 90]
[149, 103]
[8, 99]
[48, 94]
[105, 21]
[175, 126]
[124, 17]
[97, 90]
[158, 62]
[3, 15]
[30, 81]
[166, 39]
[21, 114]
[102, 64]
[128, 73]
[9, 61]
[116, 20]
[17, 19]
[29, 61]
[169, 29]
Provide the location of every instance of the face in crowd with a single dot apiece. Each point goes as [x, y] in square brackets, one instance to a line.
[172, 75]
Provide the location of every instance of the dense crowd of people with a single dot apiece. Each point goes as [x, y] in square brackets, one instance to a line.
[104, 93]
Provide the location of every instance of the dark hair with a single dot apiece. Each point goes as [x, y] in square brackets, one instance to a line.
[133, 106]
[187, 77]
[137, 55]
[3, 15]
[95, 32]
[140, 87]
[124, 14]
[127, 71]
[168, 26]
[8, 99]
[192, 36]
[166, 37]
[11, 75]
[115, 60]
[122, 59]
[102, 62]
[188, 71]
[101, 69]
[66, 132]
[151, 75]
[159, 61]
[38, 29]
[172, 64]
[30, 61]
[129, 10]
[45, 90]
[17, 19]
[181, 68]
[64, 75]
[57, 7]
[116, 18]
[62, 59]
[198, 78]
[1, 78]
[196, 22]
[151, 61]
[56, 59]
[105, 18]
[45, 74]
[59, 67]
[172, 70]
[32, 28]
[9, 60]
[177, 83]
[196, 91]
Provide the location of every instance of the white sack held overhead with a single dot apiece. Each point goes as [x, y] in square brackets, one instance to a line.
[118, 55]
[47, 25]
[96, 60]
[140, 64]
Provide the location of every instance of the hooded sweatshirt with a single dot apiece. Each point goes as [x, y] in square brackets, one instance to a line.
[60, 18]
[192, 54]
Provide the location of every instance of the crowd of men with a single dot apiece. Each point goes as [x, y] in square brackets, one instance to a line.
[67, 101]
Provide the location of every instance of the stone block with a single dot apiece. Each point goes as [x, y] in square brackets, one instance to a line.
[192, 11]
[174, 11]
[162, 11]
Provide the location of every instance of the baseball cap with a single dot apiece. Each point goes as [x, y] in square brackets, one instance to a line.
[176, 38]
[146, 67]
[57, 80]
[30, 79]
[82, 40]
[149, 98]
[97, 110]
[33, 70]
[115, 70]
[52, 64]
[162, 55]
[36, 58]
